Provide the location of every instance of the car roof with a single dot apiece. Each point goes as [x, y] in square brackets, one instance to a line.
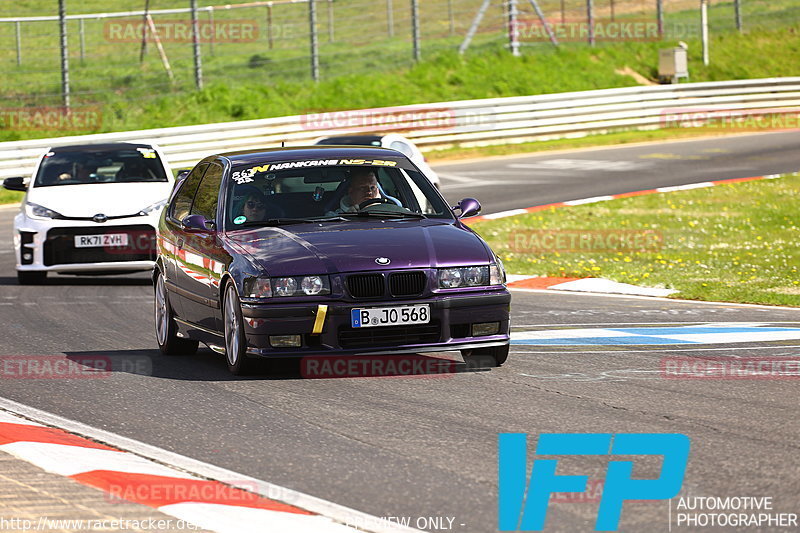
[304, 153]
[105, 147]
[353, 139]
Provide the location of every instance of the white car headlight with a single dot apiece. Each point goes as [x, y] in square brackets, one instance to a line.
[153, 207]
[38, 211]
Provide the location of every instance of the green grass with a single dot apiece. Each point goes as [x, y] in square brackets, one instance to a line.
[10, 197]
[730, 243]
[361, 68]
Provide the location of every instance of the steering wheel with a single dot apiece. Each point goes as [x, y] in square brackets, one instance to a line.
[374, 201]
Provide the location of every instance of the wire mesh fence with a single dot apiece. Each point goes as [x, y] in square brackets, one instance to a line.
[143, 54]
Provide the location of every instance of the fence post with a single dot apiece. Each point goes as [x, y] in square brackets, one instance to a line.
[738, 6]
[269, 25]
[312, 21]
[450, 17]
[390, 17]
[83, 42]
[211, 23]
[415, 29]
[143, 50]
[563, 12]
[330, 21]
[704, 29]
[513, 30]
[19, 43]
[590, 20]
[62, 22]
[660, 17]
[198, 61]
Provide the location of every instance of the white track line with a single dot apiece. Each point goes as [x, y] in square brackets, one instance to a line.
[191, 466]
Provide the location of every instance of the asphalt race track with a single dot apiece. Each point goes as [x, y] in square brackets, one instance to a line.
[426, 445]
[514, 182]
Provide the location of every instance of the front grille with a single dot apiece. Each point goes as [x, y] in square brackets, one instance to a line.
[365, 285]
[59, 248]
[389, 336]
[407, 283]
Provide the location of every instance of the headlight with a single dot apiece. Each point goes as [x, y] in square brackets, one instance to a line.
[257, 288]
[313, 285]
[450, 278]
[472, 276]
[38, 211]
[153, 207]
[497, 273]
[287, 286]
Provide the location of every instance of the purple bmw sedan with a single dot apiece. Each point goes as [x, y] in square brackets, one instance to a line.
[324, 250]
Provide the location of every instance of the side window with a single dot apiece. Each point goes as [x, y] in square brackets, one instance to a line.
[183, 200]
[207, 197]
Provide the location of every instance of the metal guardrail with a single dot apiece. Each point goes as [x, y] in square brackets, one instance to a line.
[465, 123]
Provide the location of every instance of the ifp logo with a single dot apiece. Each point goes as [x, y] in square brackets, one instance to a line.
[522, 506]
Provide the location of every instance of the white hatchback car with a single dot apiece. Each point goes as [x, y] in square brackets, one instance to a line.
[90, 209]
[394, 141]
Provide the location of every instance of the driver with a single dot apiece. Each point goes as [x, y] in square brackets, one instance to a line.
[363, 186]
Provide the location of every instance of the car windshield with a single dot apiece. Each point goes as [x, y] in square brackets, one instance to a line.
[271, 194]
[75, 167]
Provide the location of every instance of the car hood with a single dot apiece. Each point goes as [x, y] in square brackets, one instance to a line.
[110, 199]
[356, 245]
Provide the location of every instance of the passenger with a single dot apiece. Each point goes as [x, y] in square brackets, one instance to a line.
[255, 206]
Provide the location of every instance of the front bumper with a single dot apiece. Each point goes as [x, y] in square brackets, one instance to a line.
[44, 245]
[449, 328]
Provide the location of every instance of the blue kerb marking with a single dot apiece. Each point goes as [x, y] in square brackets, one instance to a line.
[691, 330]
[651, 336]
[637, 339]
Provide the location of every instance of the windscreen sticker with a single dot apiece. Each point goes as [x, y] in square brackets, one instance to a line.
[250, 172]
[240, 220]
[147, 153]
[240, 178]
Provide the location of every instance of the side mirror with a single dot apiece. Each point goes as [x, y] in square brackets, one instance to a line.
[469, 207]
[181, 176]
[196, 223]
[15, 184]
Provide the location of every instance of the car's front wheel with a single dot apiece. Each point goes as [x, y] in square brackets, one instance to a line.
[235, 342]
[166, 330]
[486, 357]
[31, 278]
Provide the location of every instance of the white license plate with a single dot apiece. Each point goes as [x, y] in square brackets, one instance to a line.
[390, 316]
[97, 241]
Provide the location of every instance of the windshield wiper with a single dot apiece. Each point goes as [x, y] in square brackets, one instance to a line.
[382, 214]
[277, 222]
[289, 221]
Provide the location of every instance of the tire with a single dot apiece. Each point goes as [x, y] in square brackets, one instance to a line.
[166, 330]
[491, 357]
[235, 341]
[31, 278]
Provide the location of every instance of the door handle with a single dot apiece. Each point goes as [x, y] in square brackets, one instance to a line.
[181, 242]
